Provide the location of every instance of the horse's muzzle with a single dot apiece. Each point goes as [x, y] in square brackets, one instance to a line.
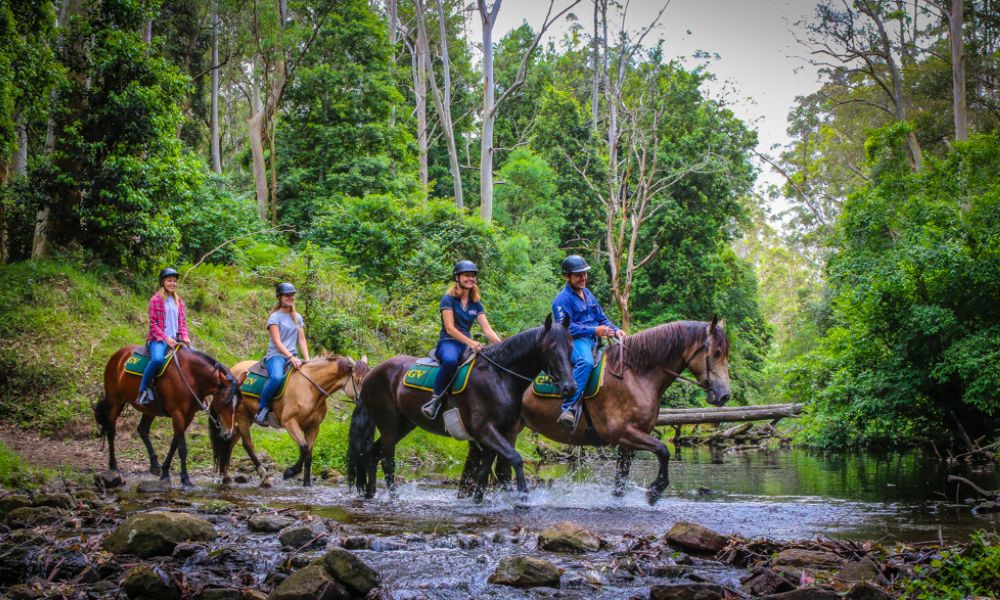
[717, 399]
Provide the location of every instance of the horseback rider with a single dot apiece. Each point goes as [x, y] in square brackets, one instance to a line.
[167, 326]
[587, 322]
[287, 336]
[459, 308]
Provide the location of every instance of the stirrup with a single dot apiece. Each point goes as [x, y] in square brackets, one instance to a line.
[432, 407]
[146, 398]
[569, 422]
[261, 418]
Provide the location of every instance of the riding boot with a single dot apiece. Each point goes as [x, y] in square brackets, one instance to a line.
[146, 397]
[262, 415]
[433, 406]
[567, 420]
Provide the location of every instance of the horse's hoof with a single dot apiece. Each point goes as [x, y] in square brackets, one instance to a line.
[289, 473]
[267, 482]
[155, 470]
[165, 477]
[652, 497]
[307, 484]
[186, 484]
[227, 480]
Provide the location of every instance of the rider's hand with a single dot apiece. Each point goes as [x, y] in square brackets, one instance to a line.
[171, 342]
[620, 334]
[602, 331]
[187, 341]
[476, 346]
[296, 363]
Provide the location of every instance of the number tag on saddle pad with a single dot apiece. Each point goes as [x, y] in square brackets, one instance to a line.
[253, 385]
[544, 387]
[421, 377]
[136, 364]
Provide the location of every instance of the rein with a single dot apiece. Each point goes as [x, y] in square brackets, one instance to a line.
[502, 368]
[708, 367]
[316, 385]
[204, 407]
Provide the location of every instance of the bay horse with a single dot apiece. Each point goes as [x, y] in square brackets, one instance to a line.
[625, 410]
[181, 390]
[489, 406]
[300, 410]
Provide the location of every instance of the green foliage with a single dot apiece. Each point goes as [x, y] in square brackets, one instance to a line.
[914, 332]
[971, 572]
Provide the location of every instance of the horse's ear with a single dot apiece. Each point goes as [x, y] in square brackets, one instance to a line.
[242, 378]
[565, 321]
[364, 359]
[722, 324]
[548, 321]
[715, 321]
[350, 361]
[222, 377]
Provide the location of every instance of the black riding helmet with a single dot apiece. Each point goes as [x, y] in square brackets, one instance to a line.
[464, 266]
[284, 288]
[168, 272]
[574, 263]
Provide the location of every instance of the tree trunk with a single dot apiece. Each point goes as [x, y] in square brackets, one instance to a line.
[147, 32]
[19, 168]
[216, 146]
[728, 414]
[955, 24]
[595, 91]
[419, 66]
[442, 100]
[255, 129]
[486, 134]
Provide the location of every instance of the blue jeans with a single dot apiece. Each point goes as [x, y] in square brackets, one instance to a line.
[583, 365]
[157, 352]
[275, 372]
[448, 353]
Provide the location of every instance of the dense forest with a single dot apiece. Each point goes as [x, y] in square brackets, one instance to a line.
[359, 148]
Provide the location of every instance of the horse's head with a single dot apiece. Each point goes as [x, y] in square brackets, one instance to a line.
[557, 350]
[359, 369]
[713, 371]
[225, 399]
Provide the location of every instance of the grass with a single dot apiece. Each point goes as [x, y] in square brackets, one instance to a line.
[14, 473]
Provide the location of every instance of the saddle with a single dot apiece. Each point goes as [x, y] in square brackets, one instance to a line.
[545, 387]
[431, 360]
[257, 376]
[421, 375]
[136, 364]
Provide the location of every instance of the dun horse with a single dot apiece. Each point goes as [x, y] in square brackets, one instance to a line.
[181, 390]
[488, 407]
[300, 410]
[625, 410]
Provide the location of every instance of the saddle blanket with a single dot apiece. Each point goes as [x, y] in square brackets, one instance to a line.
[257, 376]
[544, 387]
[136, 364]
[421, 377]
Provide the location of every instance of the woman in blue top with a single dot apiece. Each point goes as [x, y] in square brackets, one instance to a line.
[287, 336]
[460, 307]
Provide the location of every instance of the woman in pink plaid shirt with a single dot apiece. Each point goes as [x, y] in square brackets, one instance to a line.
[167, 327]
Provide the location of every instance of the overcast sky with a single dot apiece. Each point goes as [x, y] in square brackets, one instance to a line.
[759, 68]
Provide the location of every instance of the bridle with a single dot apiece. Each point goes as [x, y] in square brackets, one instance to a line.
[204, 406]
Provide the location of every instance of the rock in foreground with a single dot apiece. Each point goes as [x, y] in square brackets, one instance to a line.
[566, 536]
[525, 572]
[148, 582]
[687, 591]
[309, 583]
[696, 538]
[157, 533]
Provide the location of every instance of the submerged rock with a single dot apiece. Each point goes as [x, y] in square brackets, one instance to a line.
[153, 486]
[357, 542]
[310, 583]
[32, 516]
[297, 536]
[157, 533]
[697, 538]
[351, 571]
[526, 571]
[108, 479]
[152, 583]
[795, 557]
[567, 536]
[687, 591]
[269, 523]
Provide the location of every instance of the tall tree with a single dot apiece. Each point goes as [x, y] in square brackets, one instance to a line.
[955, 26]
[214, 124]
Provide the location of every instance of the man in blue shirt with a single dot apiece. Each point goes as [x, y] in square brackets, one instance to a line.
[587, 322]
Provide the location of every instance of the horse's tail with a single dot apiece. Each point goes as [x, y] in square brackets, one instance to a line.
[102, 414]
[222, 449]
[360, 448]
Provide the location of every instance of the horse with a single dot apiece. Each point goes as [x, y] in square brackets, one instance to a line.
[625, 410]
[181, 390]
[488, 407]
[300, 410]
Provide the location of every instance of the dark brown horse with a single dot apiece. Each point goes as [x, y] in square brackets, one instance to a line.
[300, 410]
[489, 406]
[190, 377]
[624, 412]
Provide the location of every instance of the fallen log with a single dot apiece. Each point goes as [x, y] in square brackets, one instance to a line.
[765, 412]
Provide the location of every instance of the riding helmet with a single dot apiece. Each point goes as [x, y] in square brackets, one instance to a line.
[168, 272]
[464, 266]
[284, 288]
[574, 263]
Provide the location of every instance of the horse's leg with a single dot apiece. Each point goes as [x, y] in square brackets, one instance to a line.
[310, 444]
[372, 476]
[111, 428]
[165, 467]
[625, 456]
[634, 439]
[467, 483]
[486, 459]
[493, 440]
[143, 429]
[293, 429]
[247, 440]
[388, 444]
[180, 426]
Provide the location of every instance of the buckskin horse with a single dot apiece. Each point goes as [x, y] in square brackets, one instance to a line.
[489, 406]
[189, 378]
[624, 411]
[300, 410]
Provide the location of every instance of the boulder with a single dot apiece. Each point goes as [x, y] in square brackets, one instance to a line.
[762, 581]
[32, 516]
[108, 479]
[864, 590]
[297, 536]
[696, 538]
[157, 533]
[811, 593]
[567, 536]
[858, 570]
[687, 591]
[351, 571]
[55, 500]
[12, 502]
[153, 486]
[269, 523]
[795, 557]
[310, 583]
[526, 572]
[149, 582]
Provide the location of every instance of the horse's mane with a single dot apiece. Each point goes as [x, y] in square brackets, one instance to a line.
[512, 348]
[211, 361]
[343, 363]
[648, 349]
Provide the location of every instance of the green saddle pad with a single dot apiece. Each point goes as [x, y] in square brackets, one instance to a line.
[545, 387]
[136, 364]
[421, 377]
[253, 385]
